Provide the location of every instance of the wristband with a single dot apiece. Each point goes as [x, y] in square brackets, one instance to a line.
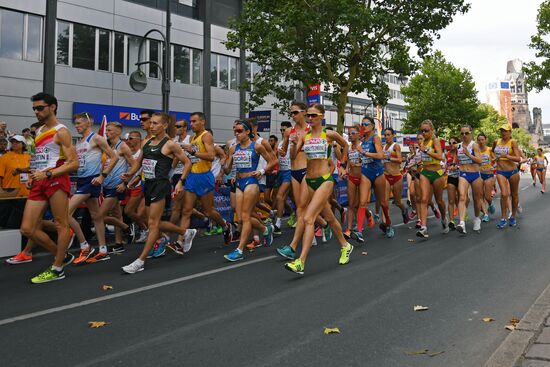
[104, 174]
[262, 171]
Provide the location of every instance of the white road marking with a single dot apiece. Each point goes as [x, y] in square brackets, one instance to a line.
[130, 292]
[402, 224]
[524, 188]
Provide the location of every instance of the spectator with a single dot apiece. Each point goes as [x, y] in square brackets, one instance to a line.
[14, 167]
[29, 140]
[3, 145]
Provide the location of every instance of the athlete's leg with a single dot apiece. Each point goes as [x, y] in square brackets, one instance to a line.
[364, 196]
[155, 211]
[438, 187]
[74, 203]
[477, 193]
[504, 186]
[514, 192]
[381, 197]
[59, 203]
[426, 191]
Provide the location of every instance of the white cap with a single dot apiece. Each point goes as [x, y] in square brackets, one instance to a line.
[126, 136]
[19, 138]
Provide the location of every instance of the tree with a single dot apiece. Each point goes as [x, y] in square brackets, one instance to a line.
[444, 94]
[346, 45]
[490, 124]
[538, 74]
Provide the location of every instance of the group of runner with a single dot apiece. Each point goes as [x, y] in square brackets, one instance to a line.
[151, 172]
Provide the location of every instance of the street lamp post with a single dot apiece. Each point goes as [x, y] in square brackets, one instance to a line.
[138, 79]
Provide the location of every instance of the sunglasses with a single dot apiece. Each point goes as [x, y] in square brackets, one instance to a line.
[353, 133]
[40, 108]
[294, 113]
[453, 142]
[144, 118]
[313, 115]
[179, 126]
[464, 134]
[425, 130]
[238, 131]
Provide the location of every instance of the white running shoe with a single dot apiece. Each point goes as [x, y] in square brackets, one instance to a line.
[477, 224]
[314, 242]
[143, 236]
[134, 267]
[445, 226]
[461, 227]
[188, 239]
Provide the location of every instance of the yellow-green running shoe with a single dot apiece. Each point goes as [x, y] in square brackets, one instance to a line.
[346, 252]
[295, 266]
[292, 220]
[48, 275]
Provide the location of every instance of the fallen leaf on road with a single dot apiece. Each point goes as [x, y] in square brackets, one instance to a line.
[97, 324]
[435, 353]
[510, 327]
[514, 321]
[107, 287]
[417, 352]
[332, 330]
[420, 308]
[410, 240]
[488, 319]
[365, 253]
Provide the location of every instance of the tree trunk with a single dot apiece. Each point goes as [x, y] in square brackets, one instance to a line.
[341, 105]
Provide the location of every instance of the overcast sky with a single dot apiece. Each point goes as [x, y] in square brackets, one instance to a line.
[490, 34]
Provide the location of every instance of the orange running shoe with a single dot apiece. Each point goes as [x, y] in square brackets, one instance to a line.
[20, 258]
[370, 219]
[252, 245]
[455, 213]
[100, 256]
[84, 255]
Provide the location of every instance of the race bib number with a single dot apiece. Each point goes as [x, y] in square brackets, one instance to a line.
[242, 159]
[148, 166]
[425, 156]
[192, 158]
[23, 178]
[40, 159]
[316, 148]
[354, 157]
[501, 150]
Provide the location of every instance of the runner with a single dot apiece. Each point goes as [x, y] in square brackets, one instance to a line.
[533, 168]
[452, 181]
[55, 157]
[413, 167]
[89, 179]
[317, 144]
[489, 179]
[354, 182]
[272, 178]
[432, 181]
[246, 156]
[285, 178]
[180, 138]
[392, 172]
[469, 159]
[135, 207]
[507, 156]
[542, 163]
[156, 161]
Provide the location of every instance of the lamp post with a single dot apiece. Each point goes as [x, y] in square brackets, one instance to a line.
[138, 79]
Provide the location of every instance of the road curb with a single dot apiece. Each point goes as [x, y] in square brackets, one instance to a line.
[512, 351]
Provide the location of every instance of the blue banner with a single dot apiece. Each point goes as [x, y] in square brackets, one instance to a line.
[263, 118]
[127, 116]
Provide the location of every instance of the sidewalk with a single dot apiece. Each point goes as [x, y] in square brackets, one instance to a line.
[529, 344]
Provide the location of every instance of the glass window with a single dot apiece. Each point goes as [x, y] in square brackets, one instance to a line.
[181, 64]
[11, 34]
[34, 38]
[213, 70]
[154, 49]
[133, 48]
[224, 72]
[104, 47]
[233, 72]
[197, 67]
[118, 54]
[63, 33]
[83, 47]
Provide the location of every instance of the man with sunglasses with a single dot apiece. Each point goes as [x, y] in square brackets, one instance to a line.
[55, 157]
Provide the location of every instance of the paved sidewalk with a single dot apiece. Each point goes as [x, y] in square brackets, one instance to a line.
[529, 344]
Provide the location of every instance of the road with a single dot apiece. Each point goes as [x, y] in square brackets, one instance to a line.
[200, 311]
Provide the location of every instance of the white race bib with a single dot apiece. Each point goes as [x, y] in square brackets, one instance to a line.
[148, 167]
[316, 148]
[242, 159]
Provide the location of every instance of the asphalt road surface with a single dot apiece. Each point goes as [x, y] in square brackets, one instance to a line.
[199, 310]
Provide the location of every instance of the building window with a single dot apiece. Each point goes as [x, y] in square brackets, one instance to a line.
[213, 70]
[119, 53]
[224, 72]
[63, 40]
[83, 47]
[233, 80]
[104, 48]
[197, 66]
[11, 34]
[223, 67]
[132, 53]
[33, 49]
[154, 55]
[182, 62]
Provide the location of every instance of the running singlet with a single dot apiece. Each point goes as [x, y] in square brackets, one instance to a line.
[233, 173]
[426, 158]
[155, 165]
[354, 157]
[261, 164]
[47, 152]
[317, 148]
[284, 162]
[503, 149]
[462, 157]
[199, 165]
[486, 160]
[451, 166]
[541, 163]
[293, 133]
[389, 153]
[216, 165]
[113, 179]
[89, 158]
[179, 166]
[246, 159]
[369, 162]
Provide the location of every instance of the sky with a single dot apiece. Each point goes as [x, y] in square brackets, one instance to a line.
[487, 37]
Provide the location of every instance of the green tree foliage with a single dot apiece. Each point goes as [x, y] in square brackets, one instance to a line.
[490, 124]
[538, 74]
[347, 45]
[444, 94]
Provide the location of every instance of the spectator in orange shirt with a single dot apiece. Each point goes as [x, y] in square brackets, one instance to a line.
[14, 168]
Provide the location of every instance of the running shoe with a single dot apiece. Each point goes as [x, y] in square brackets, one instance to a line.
[252, 245]
[455, 213]
[520, 209]
[134, 267]
[69, 258]
[418, 224]
[347, 234]
[318, 232]
[234, 255]
[390, 232]
[466, 217]
[287, 252]
[422, 232]
[485, 218]
[501, 223]
[84, 255]
[117, 248]
[100, 256]
[209, 231]
[160, 249]
[131, 233]
[314, 241]
[228, 233]
[268, 237]
[142, 236]
[296, 266]
[461, 227]
[437, 213]
[412, 214]
[359, 236]
[445, 226]
[292, 220]
[327, 234]
[236, 237]
[371, 221]
[377, 218]
[492, 209]
[477, 225]
[405, 215]
[343, 213]
[512, 222]
[218, 230]
[188, 239]
[175, 247]
[20, 258]
[277, 231]
[452, 225]
[345, 253]
[71, 239]
[49, 275]
[383, 227]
